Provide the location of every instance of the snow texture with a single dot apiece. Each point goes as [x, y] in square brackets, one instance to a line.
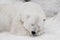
[5, 36]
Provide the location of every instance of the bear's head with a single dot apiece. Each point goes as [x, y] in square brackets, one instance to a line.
[34, 25]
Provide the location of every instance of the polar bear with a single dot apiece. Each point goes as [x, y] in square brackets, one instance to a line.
[29, 15]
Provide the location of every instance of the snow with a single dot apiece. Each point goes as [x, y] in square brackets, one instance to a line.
[4, 36]
[53, 25]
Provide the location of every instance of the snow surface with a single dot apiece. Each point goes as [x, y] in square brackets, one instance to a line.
[5, 36]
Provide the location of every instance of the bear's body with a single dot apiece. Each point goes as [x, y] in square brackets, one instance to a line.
[12, 16]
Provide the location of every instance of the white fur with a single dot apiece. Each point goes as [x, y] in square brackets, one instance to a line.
[21, 17]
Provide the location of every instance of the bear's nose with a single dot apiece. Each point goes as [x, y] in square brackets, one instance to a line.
[33, 32]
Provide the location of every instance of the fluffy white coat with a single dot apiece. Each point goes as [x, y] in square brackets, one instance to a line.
[22, 19]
